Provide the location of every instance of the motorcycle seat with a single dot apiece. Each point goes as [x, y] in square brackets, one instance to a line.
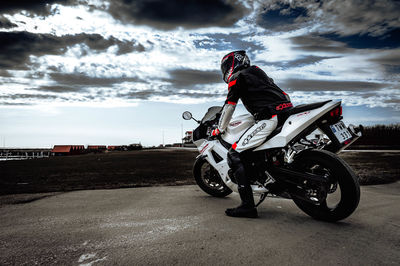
[295, 110]
[306, 107]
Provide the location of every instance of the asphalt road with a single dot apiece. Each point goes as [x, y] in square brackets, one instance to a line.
[182, 225]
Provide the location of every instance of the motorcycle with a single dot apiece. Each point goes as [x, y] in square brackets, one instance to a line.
[298, 160]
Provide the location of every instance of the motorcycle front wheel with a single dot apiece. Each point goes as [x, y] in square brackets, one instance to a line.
[209, 180]
[343, 192]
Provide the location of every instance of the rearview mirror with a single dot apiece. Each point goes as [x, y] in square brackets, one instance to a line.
[187, 115]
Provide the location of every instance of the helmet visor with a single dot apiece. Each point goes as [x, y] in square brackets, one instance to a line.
[227, 65]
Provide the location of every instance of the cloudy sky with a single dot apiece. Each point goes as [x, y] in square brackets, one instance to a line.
[123, 71]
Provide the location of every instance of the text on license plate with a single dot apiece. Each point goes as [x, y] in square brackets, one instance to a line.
[341, 132]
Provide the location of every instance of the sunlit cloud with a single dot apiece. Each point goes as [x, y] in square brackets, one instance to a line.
[102, 55]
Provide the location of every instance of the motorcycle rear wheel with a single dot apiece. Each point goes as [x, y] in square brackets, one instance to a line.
[343, 182]
[209, 180]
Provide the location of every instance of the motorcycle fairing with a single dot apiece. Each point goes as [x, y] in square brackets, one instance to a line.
[206, 149]
[295, 124]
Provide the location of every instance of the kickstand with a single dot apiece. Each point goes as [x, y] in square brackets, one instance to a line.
[262, 198]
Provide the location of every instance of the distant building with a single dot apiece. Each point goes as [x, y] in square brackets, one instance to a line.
[96, 148]
[115, 148]
[188, 139]
[177, 145]
[130, 147]
[67, 150]
[135, 146]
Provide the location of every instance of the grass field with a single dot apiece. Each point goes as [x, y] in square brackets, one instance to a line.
[148, 168]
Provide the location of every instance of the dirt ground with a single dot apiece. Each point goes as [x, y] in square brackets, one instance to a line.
[147, 168]
[374, 168]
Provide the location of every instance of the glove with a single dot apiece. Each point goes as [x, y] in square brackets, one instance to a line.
[215, 132]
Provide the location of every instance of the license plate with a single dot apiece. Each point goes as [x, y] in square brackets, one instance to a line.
[341, 132]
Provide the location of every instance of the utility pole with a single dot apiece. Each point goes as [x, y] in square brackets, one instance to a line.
[163, 138]
[182, 134]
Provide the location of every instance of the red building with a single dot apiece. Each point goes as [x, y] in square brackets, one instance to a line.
[116, 148]
[68, 150]
[96, 148]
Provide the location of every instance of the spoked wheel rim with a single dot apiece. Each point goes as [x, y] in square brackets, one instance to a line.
[211, 178]
[341, 195]
[331, 196]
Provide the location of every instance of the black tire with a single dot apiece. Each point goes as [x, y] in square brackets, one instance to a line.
[209, 180]
[343, 178]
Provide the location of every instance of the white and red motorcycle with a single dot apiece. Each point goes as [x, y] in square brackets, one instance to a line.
[298, 160]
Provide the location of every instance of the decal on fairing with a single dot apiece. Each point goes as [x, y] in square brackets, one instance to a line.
[305, 113]
[235, 124]
[204, 148]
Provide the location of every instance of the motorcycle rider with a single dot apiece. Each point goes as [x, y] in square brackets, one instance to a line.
[264, 100]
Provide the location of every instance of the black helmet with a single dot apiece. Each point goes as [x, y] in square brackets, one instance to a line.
[232, 62]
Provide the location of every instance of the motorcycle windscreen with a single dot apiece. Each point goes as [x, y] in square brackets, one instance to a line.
[212, 113]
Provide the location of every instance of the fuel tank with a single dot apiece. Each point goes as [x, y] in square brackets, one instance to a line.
[237, 127]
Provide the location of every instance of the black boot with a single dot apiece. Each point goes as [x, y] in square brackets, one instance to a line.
[247, 208]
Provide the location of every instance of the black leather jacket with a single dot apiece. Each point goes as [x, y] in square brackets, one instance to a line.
[258, 92]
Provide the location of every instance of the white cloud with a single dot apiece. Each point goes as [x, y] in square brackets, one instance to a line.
[176, 49]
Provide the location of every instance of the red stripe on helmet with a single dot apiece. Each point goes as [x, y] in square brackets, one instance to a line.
[233, 103]
[226, 56]
[233, 64]
[233, 82]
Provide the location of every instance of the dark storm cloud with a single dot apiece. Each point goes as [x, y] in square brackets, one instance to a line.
[16, 47]
[390, 57]
[181, 83]
[39, 7]
[4, 74]
[5, 23]
[350, 17]
[395, 101]
[166, 92]
[390, 39]
[282, 17]
[60, 89]
[139, 95]
[175, 13]
[24, 96]
[367, 17]
[390, 62]
[81, 80]
[358, 24]
[14, 104]
[300, 62]
[330, 85]
[314, 43]
[181, 78]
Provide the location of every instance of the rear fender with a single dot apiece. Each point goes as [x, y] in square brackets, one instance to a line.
[296, 124]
